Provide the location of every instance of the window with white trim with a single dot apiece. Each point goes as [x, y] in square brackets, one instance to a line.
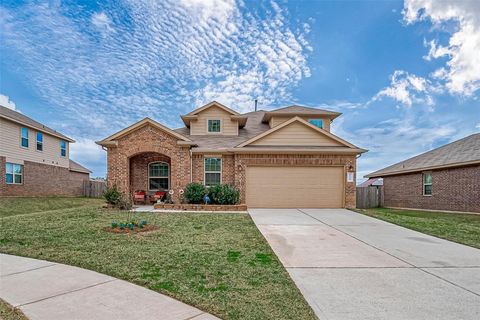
[214, 125]
[39, 141]
[213, 171]
[24, 137]
[63, 148]
[427, 183]
[316, 122]
[158, 176]
[13, 173]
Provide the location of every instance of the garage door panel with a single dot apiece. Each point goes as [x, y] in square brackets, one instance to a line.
[295, 187]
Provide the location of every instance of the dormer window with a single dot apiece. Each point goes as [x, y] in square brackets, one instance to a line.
[214, 125]
[316, 122]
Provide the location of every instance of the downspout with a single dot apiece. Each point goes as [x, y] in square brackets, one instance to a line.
[191, 166]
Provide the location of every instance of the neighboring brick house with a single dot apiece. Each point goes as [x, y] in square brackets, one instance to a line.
[281, 158]
[446, 178]
[34, 159]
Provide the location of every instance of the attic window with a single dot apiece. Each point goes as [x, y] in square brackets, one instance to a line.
[316, 122]
[214, 125]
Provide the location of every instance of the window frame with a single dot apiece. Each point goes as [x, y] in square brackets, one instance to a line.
[13, 173]
[27, 138]
[205, 171]
[316, 119]
[62, 148]
[219, 125]
[157, 177]
[424, 184]
[39, 142]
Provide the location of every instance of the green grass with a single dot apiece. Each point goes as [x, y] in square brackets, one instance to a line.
[16, 206]
[219, 262]
[461, 228]
[7, 312]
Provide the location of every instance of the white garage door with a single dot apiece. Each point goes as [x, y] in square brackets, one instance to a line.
[295, 187]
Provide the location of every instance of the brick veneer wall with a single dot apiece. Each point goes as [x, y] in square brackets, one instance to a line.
[139, 169]
[242, 161]
[454, 189]
[147, 142]
[228, 168]
[43, 180]
[148, 139]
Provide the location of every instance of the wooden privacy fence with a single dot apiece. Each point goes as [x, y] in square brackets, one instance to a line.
[94, 188]
[369, 197]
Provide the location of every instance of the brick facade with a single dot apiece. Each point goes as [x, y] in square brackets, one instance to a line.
[128, 163]
[454, 189]
[43, 180]
[147, 139]
[139, 169]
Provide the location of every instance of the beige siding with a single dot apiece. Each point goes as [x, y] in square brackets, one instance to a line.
[295, 187]
[275, 121]
[199, 127]
[11, 149]
[296, 134]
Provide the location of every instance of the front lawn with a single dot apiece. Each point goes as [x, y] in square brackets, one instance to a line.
[16, 206]
[461, 228]
[7, 312]
[218, 262]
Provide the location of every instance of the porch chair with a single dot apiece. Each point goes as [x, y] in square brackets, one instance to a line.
[159, 195]
[139, 196]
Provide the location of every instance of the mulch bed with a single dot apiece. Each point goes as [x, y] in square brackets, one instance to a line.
[136, 229]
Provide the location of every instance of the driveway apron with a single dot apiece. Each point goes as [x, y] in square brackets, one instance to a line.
[350, 266]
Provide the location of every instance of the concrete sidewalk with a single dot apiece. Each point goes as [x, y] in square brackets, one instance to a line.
[350, 266]
[44, 290]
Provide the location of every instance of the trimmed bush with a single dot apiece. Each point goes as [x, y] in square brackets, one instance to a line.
[224, 194]
[194, 192]
[112, 195]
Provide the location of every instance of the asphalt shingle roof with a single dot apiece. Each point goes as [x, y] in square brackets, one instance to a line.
[253, 127]
[74, 166]
[462, 151]
[18, 117]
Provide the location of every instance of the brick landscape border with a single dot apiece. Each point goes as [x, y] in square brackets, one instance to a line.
[201, 207]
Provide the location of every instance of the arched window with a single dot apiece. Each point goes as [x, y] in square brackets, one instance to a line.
[158, 176]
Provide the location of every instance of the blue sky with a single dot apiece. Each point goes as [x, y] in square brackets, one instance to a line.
[405, 74]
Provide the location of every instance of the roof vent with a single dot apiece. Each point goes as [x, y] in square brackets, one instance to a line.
[256, 103]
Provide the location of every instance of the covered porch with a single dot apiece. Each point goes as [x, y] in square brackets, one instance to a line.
[150, 174]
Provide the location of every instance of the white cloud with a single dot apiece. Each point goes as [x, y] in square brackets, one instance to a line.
[102, 22]
[407, 89]
[211, 9]
[461, 73]
[6, 102]
[160, 56]
[88, 153]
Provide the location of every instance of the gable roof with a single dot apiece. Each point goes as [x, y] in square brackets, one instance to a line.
[110, 141]
[234, 115]
[19, 118]
[302, 121]
[213, 104]
[300, 111]
[458, 153]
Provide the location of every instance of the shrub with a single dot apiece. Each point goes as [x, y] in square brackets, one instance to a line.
[224, 194]
[194, 192]
[112, 195]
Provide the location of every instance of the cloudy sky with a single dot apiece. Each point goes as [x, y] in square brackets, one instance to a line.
[405, 74]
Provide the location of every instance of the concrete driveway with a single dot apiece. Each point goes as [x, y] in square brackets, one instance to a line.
[350, 266]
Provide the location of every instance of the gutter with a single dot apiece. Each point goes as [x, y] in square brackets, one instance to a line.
[413, 170]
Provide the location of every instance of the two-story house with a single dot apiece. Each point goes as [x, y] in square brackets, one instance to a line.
[34, 159]
[282, 158]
